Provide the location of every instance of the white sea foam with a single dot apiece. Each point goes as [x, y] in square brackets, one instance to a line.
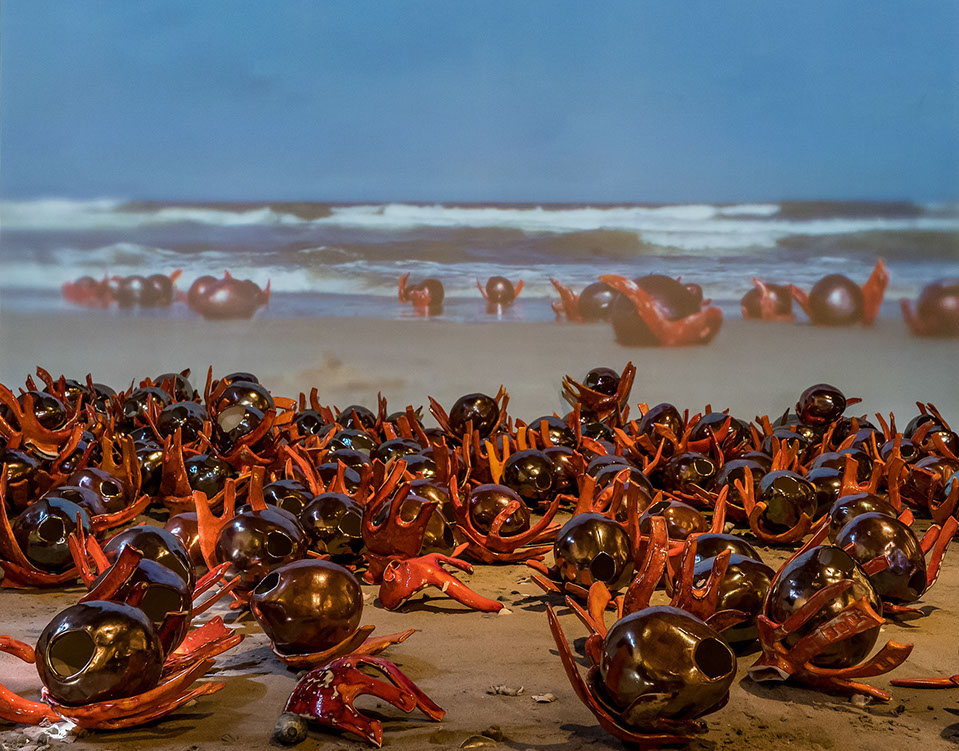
[692, 227]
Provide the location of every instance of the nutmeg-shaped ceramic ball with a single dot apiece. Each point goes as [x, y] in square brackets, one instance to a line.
[662, 662]
[592, 547]
[98, 651]
[308, 606]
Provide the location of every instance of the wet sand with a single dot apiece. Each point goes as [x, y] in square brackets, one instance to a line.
[751, 368]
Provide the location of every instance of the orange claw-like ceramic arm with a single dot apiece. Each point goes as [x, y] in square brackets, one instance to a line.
[404, 578]
[568, 304]
[326, 694]
[873, 291]
[767, 304]
[698, 328]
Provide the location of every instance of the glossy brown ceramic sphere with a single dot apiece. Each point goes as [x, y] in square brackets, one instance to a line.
[162, 595]
[499, 290]
[787, 496]
[928, 477]
[98, 651]
[735, 470]
[557, 428]
[186, 529]
[682, 520]
[836, 300]
[938, 307]
[177, 385]
[820, 404]
[222, 299]
[234, 423]
[673, 300]
[353, 439]
[334, 524]
[710, 544]
[187, 417]
[807, 574]
[848, 507]
[793, 439]
[308, 606]
[828, 484]
[685, 473]
[565, 470]
[395, 448]
[529, 473]
[207, 473]
[112, 491]
[135, 405]
[357, 417]
[839, 459]
[781, 296]
[873, 535]
[289, 495]
[44, 527]
[435, 288]
[487, 501]
[251, 393]
[85, 498]
[712, 422]
[595, 302]
[156, 544]
[662, 414]
[479, 409]
[683, 665]
[592, 547]
[49, 411]
[603, 380]
[743, 588]
[256, 542]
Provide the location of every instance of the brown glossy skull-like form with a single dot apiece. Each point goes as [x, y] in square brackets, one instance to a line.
[662, 662]
[161, 593]
[98, 650]
[334, 524]
[848, 507]
[156, 544]
[682, 520]
[42, 531]
[743, 588]
[256, 542]
[805, 576]
[788, 496]
[110, 488]
[485, 502]
[591, 547]
[308, 606]
[290, 495]
[186, 528]
[529, 473]
[877, 535]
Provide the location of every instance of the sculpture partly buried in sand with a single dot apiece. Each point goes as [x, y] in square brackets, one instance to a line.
[225, 298]
[499, 292]
[767, 302]
[592, 304]
[836, 300]
[154, 291]
[657, 310]
[426, 296]
[937, 310]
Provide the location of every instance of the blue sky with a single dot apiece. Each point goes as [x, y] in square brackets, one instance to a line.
[495, 101]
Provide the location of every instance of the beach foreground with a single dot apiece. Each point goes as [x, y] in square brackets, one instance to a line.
[457, 655]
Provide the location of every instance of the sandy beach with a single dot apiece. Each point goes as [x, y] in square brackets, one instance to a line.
[750, 368]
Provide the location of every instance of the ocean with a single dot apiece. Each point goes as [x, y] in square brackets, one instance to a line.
[328, 259]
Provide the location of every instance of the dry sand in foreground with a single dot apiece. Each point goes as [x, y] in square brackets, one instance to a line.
[457, 655]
